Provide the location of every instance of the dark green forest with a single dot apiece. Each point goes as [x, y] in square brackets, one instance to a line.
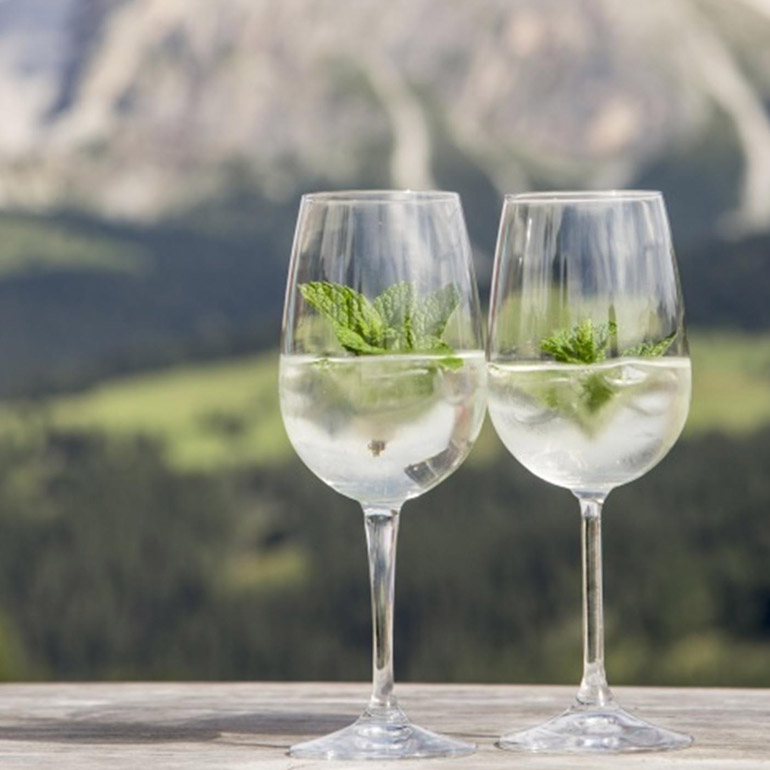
[113, 566]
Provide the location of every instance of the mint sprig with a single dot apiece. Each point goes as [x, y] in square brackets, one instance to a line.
[356, 322]
[397, 321]
[587, 343]
[650, 349]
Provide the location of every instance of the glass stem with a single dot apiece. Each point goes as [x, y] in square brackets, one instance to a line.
[381, 533]
[594, 690]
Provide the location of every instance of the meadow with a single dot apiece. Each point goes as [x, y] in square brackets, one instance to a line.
[225, 414]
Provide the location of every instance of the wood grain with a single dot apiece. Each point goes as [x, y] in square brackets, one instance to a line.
[161, 726]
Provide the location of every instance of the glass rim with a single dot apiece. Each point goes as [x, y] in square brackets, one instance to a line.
[380, 196]
[584, 196]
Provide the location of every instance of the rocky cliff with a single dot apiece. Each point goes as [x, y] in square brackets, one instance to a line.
[136, 108]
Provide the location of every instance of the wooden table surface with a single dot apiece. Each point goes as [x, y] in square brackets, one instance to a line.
[251, 725]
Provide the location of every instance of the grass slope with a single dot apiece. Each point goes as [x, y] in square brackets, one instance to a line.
[210, 415]
[225, 414]
[731, 382]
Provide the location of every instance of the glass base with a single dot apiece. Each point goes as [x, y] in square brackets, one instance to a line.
[387, 735]
[605, 729]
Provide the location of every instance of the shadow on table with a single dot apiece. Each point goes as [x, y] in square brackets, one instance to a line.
[236, 728]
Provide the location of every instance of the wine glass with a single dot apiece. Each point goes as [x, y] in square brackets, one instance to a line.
[589, 387]
[382, 386]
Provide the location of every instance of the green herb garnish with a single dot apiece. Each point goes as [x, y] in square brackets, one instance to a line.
[586, 344]
[650, 349]
[397, 321]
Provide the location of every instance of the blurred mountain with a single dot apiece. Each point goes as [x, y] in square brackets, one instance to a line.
[152, 151]
[139, 108]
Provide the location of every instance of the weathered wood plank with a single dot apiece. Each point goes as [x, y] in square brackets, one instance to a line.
[251, 725]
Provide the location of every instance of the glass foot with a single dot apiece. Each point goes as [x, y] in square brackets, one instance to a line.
[381, 736]
[605, 729]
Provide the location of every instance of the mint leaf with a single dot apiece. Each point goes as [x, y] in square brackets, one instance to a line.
[596, 391]
[583, 344]
[586, 344]
[451, 362]
[432, 312]
[396, 304]
[650, 349]
[434, 346]
[605, 334]
[355, 343]
[356, 323]
[396, 307]
[395, 322]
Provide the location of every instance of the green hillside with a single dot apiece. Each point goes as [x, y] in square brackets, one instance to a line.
[206, 415]
[731, 382]
[226, 414]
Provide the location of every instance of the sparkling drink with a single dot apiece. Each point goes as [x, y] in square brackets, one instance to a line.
[590, 428]
[383, 428]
